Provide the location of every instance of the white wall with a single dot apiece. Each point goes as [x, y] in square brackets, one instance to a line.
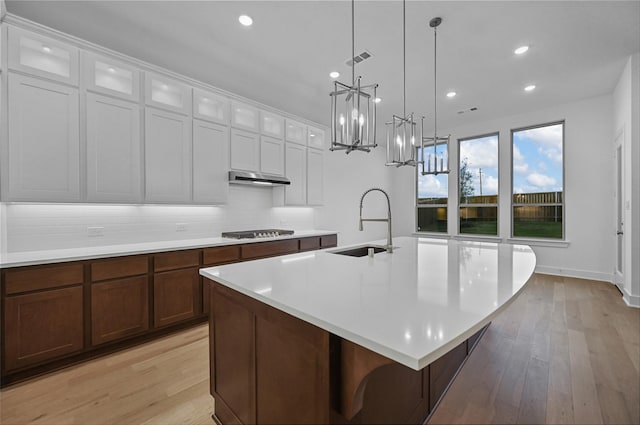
[627, 123]
[588, 186]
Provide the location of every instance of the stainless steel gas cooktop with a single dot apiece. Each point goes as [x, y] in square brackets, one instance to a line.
[261, 233]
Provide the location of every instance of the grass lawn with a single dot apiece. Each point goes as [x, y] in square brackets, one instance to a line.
[472, 227]
[538, 229]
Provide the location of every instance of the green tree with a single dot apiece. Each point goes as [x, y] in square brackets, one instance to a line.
[466, 181]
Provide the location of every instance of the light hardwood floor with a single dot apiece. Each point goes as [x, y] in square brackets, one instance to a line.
[566, 351]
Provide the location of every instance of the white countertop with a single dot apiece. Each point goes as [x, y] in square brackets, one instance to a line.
[411, 306]
[28, 258]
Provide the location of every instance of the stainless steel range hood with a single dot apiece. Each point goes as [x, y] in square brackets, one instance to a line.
[256, 179]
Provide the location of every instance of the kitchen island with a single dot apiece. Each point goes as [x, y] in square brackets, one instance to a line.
[321, 337]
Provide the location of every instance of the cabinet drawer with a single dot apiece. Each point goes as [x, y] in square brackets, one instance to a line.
[307, 244]
[119, 267]
[33, 279]
[119, 308]
[42, 326]
[328, 241]
[176, 260]
[220, 255]
[268, 249]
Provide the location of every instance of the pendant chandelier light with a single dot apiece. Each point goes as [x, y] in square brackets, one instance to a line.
[353, 109]
[401, 131]
[431, 162]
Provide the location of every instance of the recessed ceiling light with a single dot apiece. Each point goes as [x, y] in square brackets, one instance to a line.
[530, 87]
[377, 100]
[334, 74]
[46, 49]
[245, 20]
[451, 94]
[521, 50]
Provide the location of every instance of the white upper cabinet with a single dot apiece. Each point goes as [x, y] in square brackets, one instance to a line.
[42, 56]
[296, 171]
[44, 149]
[210, 163]
[315, 138]
[167, 157]
[113, 150]
[271, 125]
[210, 107]
[109, 76]
[244, 116]
[167, 93]
[315, 176]
[271, 155]
[296, 132]
[245, 150]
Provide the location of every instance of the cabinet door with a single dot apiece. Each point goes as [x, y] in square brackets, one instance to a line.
[210, 162]
[244, 116]
[245, 150]
[271, 155]
[315, 174]
[109, 76]
[119, 308]
[296, 171]
[42, 56]
[43, 160]
[167, 93]
[296, 132]
[167, 157]
[271, 125]
[42, 325]
[176, 296]
[113, 150]
[210, 107]
[315, 138]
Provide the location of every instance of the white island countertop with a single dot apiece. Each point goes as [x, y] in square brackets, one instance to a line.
[29, 258]
[411, 306]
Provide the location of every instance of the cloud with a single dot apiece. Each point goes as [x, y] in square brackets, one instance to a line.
[430, 186]
[548, 136]
[540, 180]
[480, 152]
[489, 185]
[519, 164]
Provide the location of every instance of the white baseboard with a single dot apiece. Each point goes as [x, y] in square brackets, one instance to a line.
[581, 274]
[630, 300]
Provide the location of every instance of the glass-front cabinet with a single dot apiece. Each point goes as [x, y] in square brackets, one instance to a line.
[109, 76]
[167, 93]
[210, 107]
[42, 56]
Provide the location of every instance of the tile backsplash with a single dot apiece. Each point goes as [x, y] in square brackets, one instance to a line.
[33, 227]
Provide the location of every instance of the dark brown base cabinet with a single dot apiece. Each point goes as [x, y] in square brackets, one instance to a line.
[269, 367]
[54, 315]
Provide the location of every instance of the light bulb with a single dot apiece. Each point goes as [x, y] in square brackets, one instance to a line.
[361, 121]
[334, 74]
[341, 119]
[399, 140]
[530, 87]
[413, 140]
[521, 50]
[245, 20]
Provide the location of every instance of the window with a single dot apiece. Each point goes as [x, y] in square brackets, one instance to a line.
[478, 185]
[537, 165]
[433, 193]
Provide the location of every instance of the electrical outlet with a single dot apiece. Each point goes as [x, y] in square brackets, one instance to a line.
[181, 227]
[95, 231]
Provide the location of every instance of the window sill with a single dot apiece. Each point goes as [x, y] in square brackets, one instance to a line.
[431, 235]
[539, 242]
[479, 238]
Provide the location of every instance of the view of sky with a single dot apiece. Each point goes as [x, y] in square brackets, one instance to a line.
[481, 154]
[537, 163]
[537, 159]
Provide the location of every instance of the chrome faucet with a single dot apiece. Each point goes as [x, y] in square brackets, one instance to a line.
[388, 219]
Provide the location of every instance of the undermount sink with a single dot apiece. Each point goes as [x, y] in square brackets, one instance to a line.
[359, 251]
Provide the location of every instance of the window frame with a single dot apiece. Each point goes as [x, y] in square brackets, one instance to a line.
[564, 188]
[447, 206]
[496, 205]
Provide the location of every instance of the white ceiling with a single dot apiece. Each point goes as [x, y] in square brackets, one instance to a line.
[578, 48]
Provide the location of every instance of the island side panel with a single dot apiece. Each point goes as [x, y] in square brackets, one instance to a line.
[266, 366]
